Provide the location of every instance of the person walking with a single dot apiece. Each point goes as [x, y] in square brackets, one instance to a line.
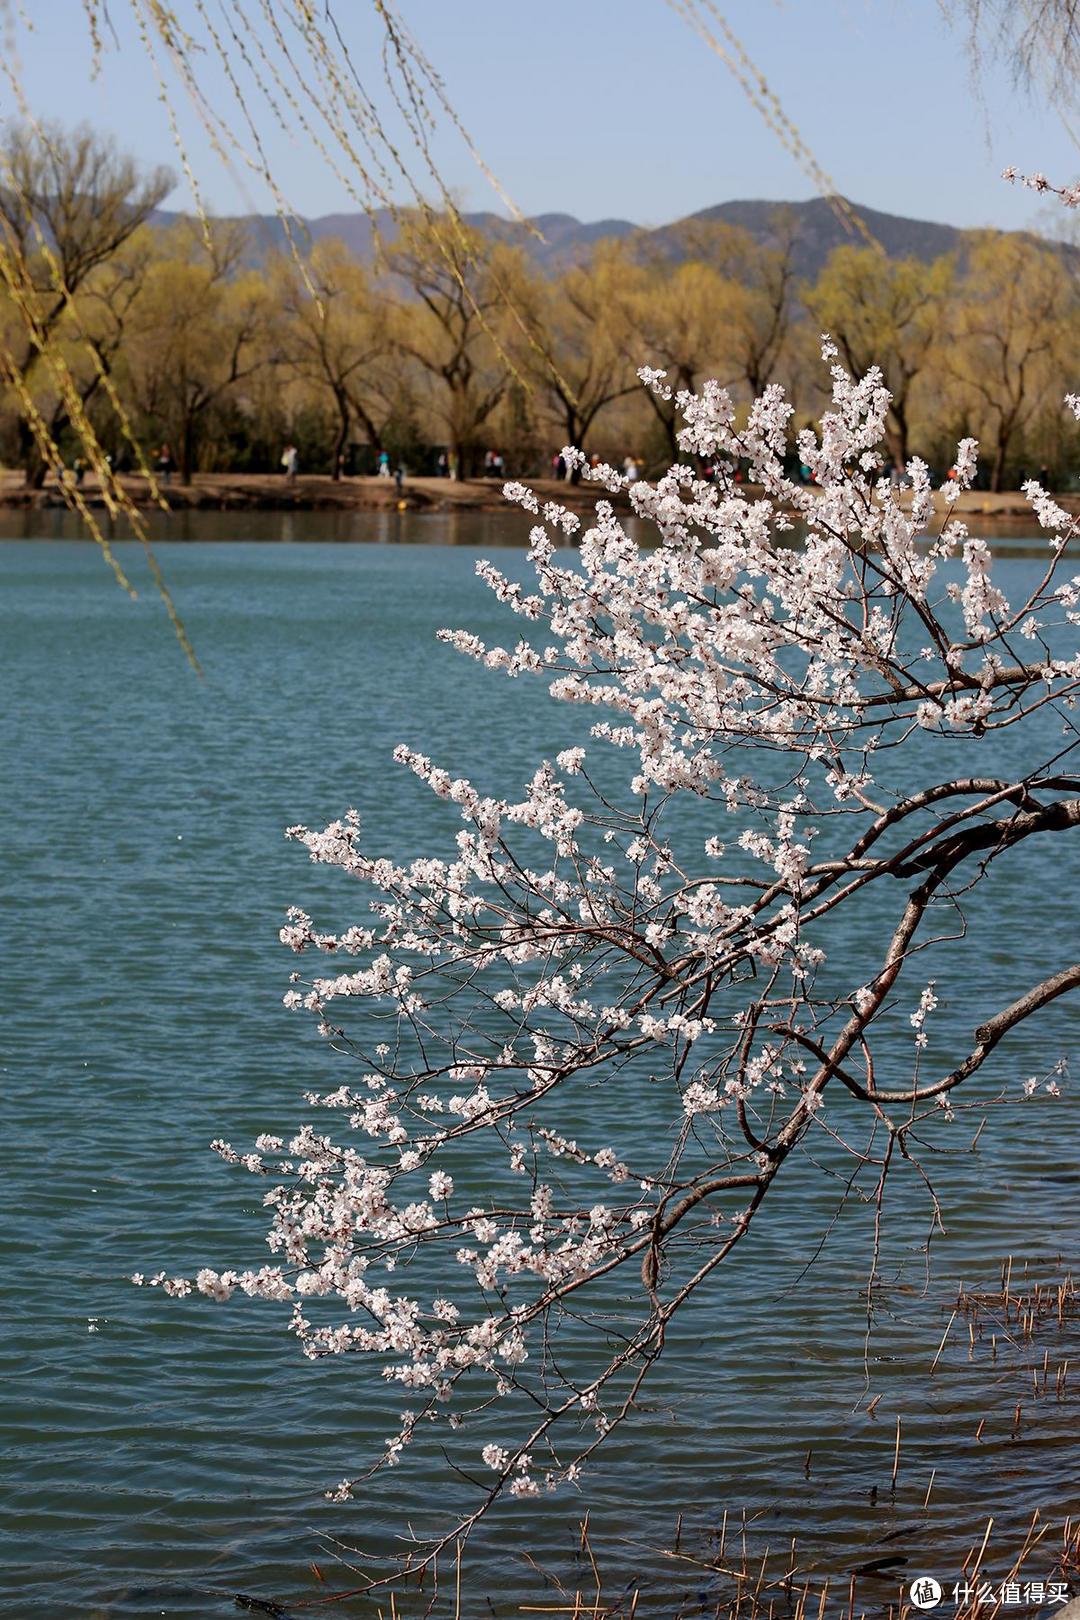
[384, 464]
[165, 465]
[290, 461]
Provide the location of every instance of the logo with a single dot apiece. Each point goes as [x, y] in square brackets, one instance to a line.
[925, 1592]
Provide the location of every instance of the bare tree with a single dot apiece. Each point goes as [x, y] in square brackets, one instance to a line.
[573, 341]
[199, 333]
[886, 312]
[69, 203]
[449, 323]
[1015, 317]
[1041, 37]
[761, 279]
[336, 342]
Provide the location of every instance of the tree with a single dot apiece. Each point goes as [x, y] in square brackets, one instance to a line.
[1011, 331]
[202, 331]
[885, 312]
[760, 282]
[479, 1236]
[335, 341]
[452, 323]
[675, 320]
[69, 205]
[1042, 38]
[574, 345]
[75, 369]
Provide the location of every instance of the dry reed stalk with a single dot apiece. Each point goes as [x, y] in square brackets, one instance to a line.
[944, 1336]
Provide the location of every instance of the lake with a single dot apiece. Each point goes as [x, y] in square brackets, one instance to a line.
[160, 1457]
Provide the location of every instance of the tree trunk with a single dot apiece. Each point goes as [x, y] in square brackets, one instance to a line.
[897, 435]
[668, 419]
[1001, 449]
[342, 438]
[187, 452]
[30, 456]
[369, 425]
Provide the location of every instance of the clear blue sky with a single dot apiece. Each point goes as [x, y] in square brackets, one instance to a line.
[614, 108]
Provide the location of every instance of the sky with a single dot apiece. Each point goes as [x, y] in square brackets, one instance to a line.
[616, 109]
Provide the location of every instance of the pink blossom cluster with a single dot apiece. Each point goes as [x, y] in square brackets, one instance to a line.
[1068, 195]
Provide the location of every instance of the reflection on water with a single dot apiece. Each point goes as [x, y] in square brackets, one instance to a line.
[382, 528]
[162, 1457]
[1010, 537]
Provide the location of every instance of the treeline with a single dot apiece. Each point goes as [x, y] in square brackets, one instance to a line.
[452, 342]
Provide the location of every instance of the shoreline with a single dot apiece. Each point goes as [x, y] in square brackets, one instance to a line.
[248, 492]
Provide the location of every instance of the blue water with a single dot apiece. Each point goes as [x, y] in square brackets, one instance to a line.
[159, 1457]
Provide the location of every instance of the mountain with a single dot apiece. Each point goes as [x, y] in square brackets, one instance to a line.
[819, 229]
[563, 240]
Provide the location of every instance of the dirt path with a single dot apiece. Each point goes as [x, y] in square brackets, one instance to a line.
[267, 492]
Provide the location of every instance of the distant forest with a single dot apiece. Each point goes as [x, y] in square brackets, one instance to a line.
[424, 334]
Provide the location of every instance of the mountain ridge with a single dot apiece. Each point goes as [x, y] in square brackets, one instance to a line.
[566, 240]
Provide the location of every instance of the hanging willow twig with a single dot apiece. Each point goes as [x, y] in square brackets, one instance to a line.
[764, 99]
